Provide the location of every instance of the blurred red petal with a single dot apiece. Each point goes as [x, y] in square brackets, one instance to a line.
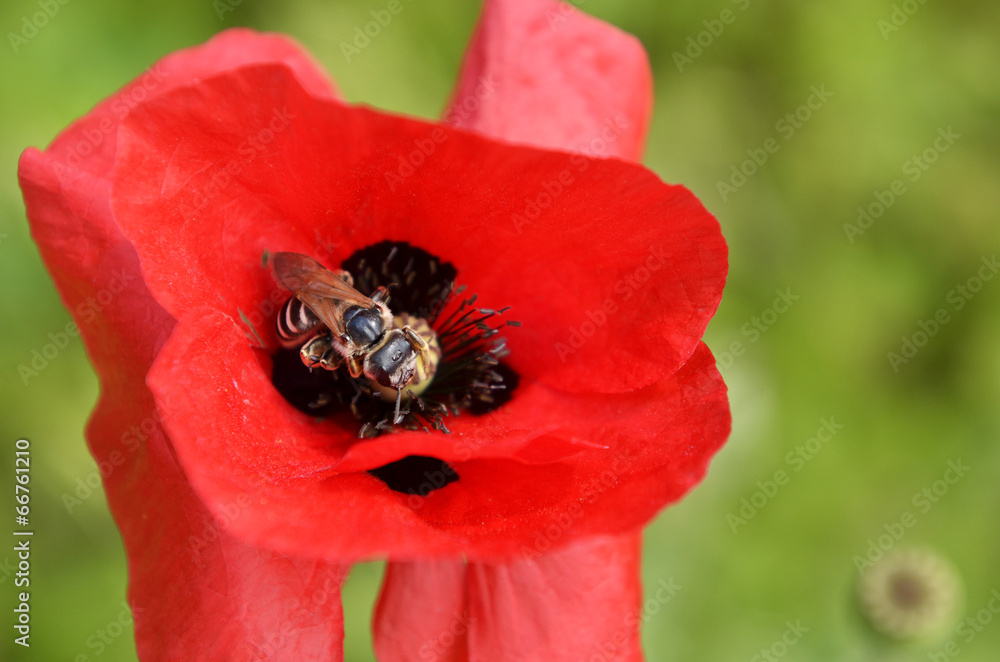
[421, 612]
[580, 603]
[544, 73]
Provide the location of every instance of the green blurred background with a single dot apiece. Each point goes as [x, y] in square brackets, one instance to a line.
[824, 357]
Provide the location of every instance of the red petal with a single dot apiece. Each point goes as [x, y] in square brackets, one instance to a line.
[581, 603]
[89, 144]
[236, 439]
[544, 73]
[421, 613]
[195, 592]
[614, 285]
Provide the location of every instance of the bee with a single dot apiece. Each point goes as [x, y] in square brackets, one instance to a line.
[340, 325]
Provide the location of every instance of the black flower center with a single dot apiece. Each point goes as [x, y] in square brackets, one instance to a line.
[468, 374]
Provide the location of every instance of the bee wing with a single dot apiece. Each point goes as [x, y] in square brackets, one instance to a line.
[317, 287]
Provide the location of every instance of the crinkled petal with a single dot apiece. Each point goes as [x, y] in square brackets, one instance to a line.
[543, 73]
[613, 274]
[236, 437]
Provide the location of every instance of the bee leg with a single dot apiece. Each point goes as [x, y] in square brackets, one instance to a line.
[381, 295]
[322, 400]
[418, 344]
[356, 366]
[320, 352]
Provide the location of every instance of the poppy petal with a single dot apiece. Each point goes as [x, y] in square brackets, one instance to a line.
[237, 440]
[543, 73]
[421, 612]
[574, 604]
[613, 286]
[509, 491]
[580, 603]
[89, 144]
[226, 598]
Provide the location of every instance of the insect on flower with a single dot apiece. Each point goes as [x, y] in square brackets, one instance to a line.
[611, 432]
[334, 323]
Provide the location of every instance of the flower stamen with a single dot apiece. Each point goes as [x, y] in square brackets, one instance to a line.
[461, 368]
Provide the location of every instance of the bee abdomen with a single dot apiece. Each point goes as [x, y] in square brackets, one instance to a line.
[296, 323]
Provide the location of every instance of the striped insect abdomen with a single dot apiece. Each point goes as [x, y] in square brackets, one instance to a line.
[297, 323]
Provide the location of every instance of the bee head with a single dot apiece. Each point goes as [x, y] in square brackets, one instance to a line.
[393, 364]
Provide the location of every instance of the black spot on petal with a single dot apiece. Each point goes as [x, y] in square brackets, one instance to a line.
[416, 474]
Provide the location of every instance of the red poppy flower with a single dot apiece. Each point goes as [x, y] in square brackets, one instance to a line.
[513, 535]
